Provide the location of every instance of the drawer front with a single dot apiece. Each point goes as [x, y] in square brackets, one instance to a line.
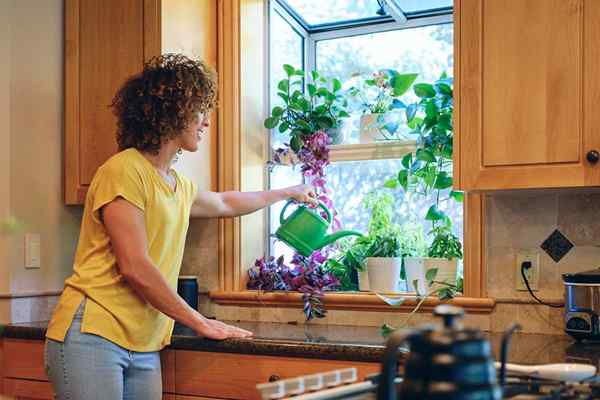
[235, 376]
[24, 389]
[24, 359]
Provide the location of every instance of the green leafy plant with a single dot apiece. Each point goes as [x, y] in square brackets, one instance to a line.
[445, 244]
[443, 290]
[428, 172]
[380, 92]
[321, 107]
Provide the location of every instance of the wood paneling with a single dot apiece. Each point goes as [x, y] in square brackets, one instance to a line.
[235, 376]
[167, 363]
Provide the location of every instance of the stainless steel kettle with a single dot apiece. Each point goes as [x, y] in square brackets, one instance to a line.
[444, 363]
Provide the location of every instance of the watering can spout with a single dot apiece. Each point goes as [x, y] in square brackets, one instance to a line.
[327, 240]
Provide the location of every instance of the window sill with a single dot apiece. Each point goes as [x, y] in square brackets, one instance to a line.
[346, 301]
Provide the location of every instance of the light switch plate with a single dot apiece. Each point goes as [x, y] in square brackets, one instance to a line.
[32, 250]
[532, 274]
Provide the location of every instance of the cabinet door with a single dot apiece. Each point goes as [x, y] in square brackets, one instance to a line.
[525, 89]
[105, 42]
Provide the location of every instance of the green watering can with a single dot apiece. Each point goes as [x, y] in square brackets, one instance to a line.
[306, 231]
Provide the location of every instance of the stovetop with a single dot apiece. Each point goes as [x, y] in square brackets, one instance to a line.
[342, 385]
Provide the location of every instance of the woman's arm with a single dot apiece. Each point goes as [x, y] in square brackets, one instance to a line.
[127, 231]
[233, 204]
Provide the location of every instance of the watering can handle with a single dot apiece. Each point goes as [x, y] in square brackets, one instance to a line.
[282, 220]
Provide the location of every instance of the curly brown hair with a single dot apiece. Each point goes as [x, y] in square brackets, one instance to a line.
[159, 103]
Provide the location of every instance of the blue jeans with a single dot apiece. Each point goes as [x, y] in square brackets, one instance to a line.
[89, 367]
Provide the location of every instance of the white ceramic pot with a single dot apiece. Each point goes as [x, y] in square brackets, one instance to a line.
[370, 127]
[384, 274]
[363, 280]
[417, 267]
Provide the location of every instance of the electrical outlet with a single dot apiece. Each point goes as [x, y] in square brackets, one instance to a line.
[532, 274]
[32, 250]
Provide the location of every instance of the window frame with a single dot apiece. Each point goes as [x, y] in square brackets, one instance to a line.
[241, 100]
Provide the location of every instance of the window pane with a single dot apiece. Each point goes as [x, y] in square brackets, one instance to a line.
[351, 181]
[427, 51]
[286, 48]
[412, 6]
[316, 12]
[281, 176]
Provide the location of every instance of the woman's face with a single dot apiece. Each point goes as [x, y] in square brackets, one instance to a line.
[194, 132]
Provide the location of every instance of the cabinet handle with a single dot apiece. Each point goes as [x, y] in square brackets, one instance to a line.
[593, 156]
[274, 378]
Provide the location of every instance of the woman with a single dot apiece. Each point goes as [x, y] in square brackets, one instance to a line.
[118, 308]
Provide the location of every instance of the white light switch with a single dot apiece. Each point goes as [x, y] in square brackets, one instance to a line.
[32, 250]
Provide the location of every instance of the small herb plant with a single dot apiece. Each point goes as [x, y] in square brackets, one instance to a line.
[379, 94]
[320, 108]
[445, 244]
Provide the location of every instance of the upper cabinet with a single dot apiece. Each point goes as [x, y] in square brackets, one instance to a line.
[528, 89]
[105, 43]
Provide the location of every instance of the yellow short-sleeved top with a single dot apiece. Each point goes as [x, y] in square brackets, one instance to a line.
[112, 309]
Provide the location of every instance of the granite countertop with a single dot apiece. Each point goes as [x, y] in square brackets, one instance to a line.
[349, 343]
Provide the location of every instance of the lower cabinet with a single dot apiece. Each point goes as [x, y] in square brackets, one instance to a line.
[187, 375]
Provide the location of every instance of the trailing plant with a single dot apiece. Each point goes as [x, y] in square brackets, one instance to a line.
[429, 171]
[307, 276]
[443, 290]
[320, 108]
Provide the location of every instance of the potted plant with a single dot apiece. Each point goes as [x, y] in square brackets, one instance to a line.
[320, 108]
[428, 173]
[376, 97]
[384, 263]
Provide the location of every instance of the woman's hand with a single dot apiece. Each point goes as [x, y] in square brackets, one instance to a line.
[213, 329]
[303, 194]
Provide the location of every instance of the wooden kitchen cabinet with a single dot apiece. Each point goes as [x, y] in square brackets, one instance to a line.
[527, 91]
[235, 376]
[105, 43]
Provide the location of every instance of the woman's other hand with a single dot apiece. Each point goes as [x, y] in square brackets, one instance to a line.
[213, 329]
[303, 194]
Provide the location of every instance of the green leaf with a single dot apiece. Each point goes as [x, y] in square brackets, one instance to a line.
[391, 301]
[343, 114]
[387, 330]
[296, 143]
[402, 82]
[284, 96]
[370, 82]
[391, 184]
[271, 122]
[407, 160]
[425, 155]
[303, 124]
[431, 274]
[443, 181]
[324, 122]
[277, 111]
[411, 111]
[284, 126]
[312, 89]
[424, 90]
[397, 104]
[457, 196]
[403, 179]
[314, 75]
[299, 72]
[443, 88]
[289, 70]
[283, 85]
[337, 85]
[415, 122]
[433, 214]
